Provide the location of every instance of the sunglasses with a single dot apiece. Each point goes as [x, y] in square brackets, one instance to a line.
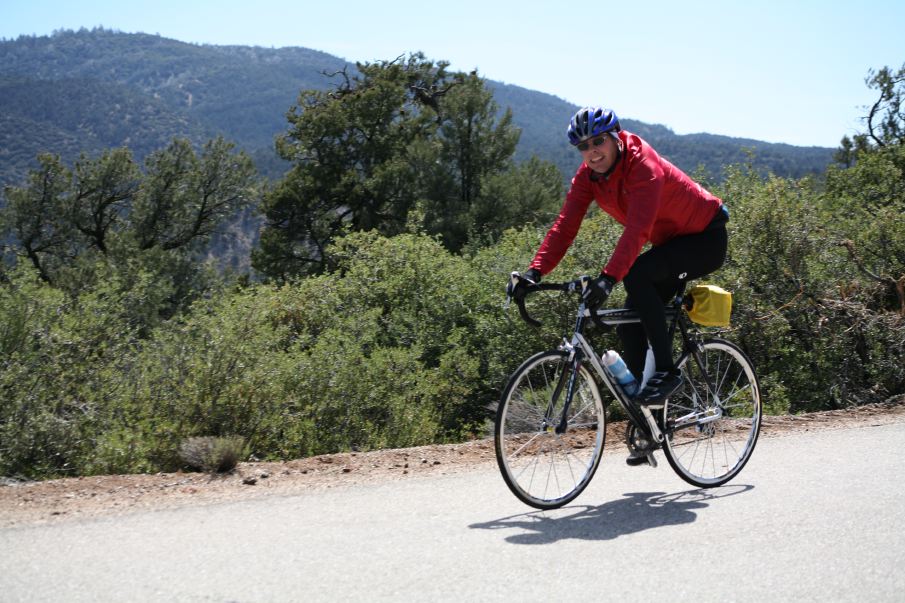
[584, 146]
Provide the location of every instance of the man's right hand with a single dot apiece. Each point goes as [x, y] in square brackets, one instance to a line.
[518, 291]
[597, 291]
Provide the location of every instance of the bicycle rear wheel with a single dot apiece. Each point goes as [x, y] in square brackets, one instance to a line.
[542, 468]
[712, 423]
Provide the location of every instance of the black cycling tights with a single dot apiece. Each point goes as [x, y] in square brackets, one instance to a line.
[654, 280]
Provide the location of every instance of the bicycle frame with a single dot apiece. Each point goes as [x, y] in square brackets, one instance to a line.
[539, 439]
[579, 348]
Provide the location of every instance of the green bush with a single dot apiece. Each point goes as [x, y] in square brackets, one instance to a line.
[61, 372]
[811, 323]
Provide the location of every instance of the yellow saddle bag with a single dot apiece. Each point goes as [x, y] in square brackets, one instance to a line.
[710, 305]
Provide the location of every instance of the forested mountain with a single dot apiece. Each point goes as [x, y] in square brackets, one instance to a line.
[90, 90]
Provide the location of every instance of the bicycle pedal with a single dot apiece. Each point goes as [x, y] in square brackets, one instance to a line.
[652, 460]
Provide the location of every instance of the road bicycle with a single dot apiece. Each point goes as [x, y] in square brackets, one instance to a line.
[551, 421]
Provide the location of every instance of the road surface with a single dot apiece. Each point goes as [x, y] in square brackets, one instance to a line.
[815, 516]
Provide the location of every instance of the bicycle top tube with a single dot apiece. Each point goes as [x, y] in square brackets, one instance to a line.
[623, 316]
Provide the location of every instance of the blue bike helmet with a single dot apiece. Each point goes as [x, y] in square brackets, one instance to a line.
[592, 121]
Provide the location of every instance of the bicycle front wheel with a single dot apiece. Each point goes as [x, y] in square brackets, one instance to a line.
[543, 468]
[712, 423]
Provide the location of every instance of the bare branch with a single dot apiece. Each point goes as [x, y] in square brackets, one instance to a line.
[870, 121]
[341, 89]
[897, 285]
[850, 245]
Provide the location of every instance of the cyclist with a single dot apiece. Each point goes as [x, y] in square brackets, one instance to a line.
[656, 203]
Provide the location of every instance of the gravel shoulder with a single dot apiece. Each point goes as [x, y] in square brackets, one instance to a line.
[60, 500]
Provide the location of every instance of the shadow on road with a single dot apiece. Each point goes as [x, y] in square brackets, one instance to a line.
[637, 512]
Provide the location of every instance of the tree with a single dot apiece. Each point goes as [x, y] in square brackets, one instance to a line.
[472, 147]
[401, 145]
[350, 148]
[885, 118]
[850, 148]
[104, 191]
[35, 216]
[526, 194]
[185, 197]
[106, 210]
[867, 194]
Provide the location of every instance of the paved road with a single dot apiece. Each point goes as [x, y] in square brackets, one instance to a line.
[814, 516]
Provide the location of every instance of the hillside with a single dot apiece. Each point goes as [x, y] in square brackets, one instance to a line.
[89, 90]
[69, 115]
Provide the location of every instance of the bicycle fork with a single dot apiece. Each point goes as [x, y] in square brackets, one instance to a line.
[572, 366]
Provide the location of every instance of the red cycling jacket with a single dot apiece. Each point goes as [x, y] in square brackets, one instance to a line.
[651, 197]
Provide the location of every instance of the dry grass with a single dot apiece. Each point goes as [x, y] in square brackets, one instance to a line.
[211, 454]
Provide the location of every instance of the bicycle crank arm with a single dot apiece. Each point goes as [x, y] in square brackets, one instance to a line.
[652, 423]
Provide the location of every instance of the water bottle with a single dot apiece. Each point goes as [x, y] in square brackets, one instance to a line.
[614, 363]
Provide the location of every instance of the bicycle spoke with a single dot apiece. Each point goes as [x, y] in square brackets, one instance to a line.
[528, 409]
[697, 394]
[582, 425]
[584, 408]
[551, 470]
[736, 393]
[694, 452]
[529, 466]
[728, 445]
[517, 452]
[568, 455]
[722, 380]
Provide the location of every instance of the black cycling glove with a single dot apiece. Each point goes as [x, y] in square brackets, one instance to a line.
[597, 291]
[520, 289]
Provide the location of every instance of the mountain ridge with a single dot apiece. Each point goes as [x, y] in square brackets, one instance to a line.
[139, 90]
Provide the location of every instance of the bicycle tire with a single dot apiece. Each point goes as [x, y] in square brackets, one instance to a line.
[544, 469]
[713, 450]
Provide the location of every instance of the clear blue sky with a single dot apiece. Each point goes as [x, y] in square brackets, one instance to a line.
[781, 71]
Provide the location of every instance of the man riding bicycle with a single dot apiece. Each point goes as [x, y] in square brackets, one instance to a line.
[656, 203]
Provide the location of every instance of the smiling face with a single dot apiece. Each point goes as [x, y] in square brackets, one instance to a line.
[600, 152]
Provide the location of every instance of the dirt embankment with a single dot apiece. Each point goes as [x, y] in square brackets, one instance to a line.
[72, 498]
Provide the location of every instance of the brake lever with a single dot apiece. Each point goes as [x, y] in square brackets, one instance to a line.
[584, 282]
[515, 277]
